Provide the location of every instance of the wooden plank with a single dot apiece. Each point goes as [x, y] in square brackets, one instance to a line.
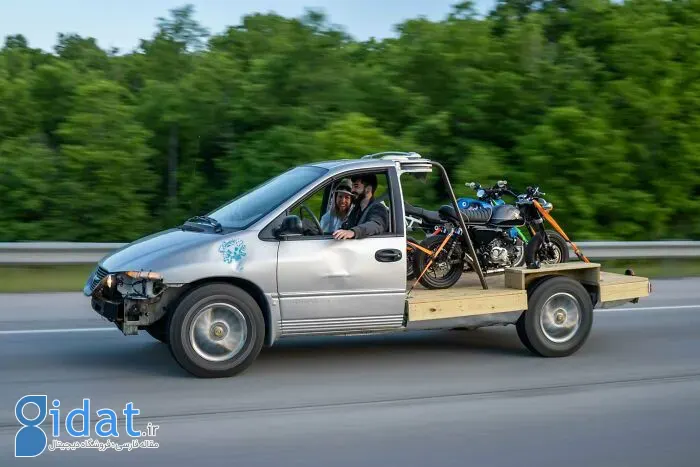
[520, 278]
[615, 287]
[465, 298]
[495, 301]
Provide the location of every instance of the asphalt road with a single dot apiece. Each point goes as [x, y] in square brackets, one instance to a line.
[630, 397]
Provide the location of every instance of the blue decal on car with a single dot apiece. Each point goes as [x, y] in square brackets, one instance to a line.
[233, 250]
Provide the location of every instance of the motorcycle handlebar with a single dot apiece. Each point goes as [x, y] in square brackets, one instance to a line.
[502, 187]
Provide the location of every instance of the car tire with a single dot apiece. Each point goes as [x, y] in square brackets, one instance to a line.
[159, 330]
[216, 331]
[559, 318]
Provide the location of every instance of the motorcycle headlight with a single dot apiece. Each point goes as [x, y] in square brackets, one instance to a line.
[480, 193]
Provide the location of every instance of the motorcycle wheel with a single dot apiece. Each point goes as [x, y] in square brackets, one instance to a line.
[411, 261]
[536, 250]
[520, 259]
[444, 272]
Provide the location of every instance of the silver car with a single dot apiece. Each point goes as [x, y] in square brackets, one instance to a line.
[259, 268]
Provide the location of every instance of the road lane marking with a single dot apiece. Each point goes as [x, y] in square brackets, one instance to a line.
[650, 308]
[52, 331]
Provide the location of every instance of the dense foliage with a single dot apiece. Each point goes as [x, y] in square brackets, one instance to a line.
[596, 101]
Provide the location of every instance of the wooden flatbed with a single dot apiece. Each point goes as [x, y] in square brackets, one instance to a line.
[508, 292]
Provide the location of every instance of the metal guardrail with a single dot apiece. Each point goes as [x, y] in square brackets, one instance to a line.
[58, 253]
[54, 253]
[639, 250]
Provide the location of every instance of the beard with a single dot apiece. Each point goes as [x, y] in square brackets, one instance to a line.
[361, 196]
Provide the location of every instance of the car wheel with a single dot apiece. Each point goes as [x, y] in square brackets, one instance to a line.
[216, 331]
[159, 330]
[558, 319]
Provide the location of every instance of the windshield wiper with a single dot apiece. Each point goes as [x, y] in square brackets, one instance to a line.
[207, 220]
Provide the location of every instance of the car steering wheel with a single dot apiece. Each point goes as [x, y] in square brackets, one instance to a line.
[313, 216]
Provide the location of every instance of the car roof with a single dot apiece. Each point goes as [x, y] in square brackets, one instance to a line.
[369, 161]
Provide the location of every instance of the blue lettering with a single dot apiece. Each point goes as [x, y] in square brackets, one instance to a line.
[129, 412]
[85, 413]
[56, 418]
[111, 420]
[30, 440]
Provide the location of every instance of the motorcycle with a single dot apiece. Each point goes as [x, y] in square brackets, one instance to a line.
[441, 257]
[497, 231]
[418, 219]
[486, 197]
[550, 246]
[545, 246]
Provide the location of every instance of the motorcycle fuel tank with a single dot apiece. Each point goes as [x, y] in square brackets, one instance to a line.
[506, 216]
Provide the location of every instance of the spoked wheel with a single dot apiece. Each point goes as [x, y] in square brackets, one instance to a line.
[554, 252]
[411, 260]
[447, 266]
[518, 256]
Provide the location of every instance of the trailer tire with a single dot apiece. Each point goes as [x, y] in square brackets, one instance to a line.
[522, 335]
[559, 318]
[208, 322]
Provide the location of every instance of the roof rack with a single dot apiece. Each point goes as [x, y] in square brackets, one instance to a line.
[394, 155]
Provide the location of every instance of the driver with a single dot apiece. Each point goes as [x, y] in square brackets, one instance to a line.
[342, 205]
[369, 216]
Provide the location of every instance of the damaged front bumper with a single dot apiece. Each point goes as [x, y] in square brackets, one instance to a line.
[131, 300]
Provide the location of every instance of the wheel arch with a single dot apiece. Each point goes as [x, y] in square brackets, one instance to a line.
[247, 286]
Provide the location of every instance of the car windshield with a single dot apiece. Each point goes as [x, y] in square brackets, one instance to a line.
[248, 208]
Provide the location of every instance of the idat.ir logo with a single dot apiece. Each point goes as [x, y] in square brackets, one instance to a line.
[32, 411]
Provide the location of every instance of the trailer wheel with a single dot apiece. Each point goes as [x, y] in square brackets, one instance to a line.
[522, 335]
[559, 318]
[216, 331]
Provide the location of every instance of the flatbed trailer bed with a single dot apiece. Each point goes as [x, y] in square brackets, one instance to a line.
[510, 297]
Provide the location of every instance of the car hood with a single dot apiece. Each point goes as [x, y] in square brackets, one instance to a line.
[158, 250]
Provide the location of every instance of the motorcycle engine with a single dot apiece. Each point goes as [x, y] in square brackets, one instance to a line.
[499, 256]
[500, 252]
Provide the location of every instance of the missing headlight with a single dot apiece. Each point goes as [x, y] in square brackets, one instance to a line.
[140, 287]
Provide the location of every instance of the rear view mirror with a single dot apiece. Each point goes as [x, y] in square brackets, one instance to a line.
[291, 227]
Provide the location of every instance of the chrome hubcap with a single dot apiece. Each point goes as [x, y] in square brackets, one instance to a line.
[218, 332]
[560, 317]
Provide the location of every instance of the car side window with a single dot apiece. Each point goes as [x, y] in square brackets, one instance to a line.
[310, 210]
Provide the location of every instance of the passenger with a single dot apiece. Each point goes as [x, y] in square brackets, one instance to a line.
[342, 204]
[369, 216]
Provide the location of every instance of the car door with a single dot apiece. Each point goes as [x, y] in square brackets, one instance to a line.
[328, 286]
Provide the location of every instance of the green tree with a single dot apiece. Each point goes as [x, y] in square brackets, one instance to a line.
[104, 160]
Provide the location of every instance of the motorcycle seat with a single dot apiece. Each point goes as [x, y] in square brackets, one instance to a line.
[430, 217]
[478, 216]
